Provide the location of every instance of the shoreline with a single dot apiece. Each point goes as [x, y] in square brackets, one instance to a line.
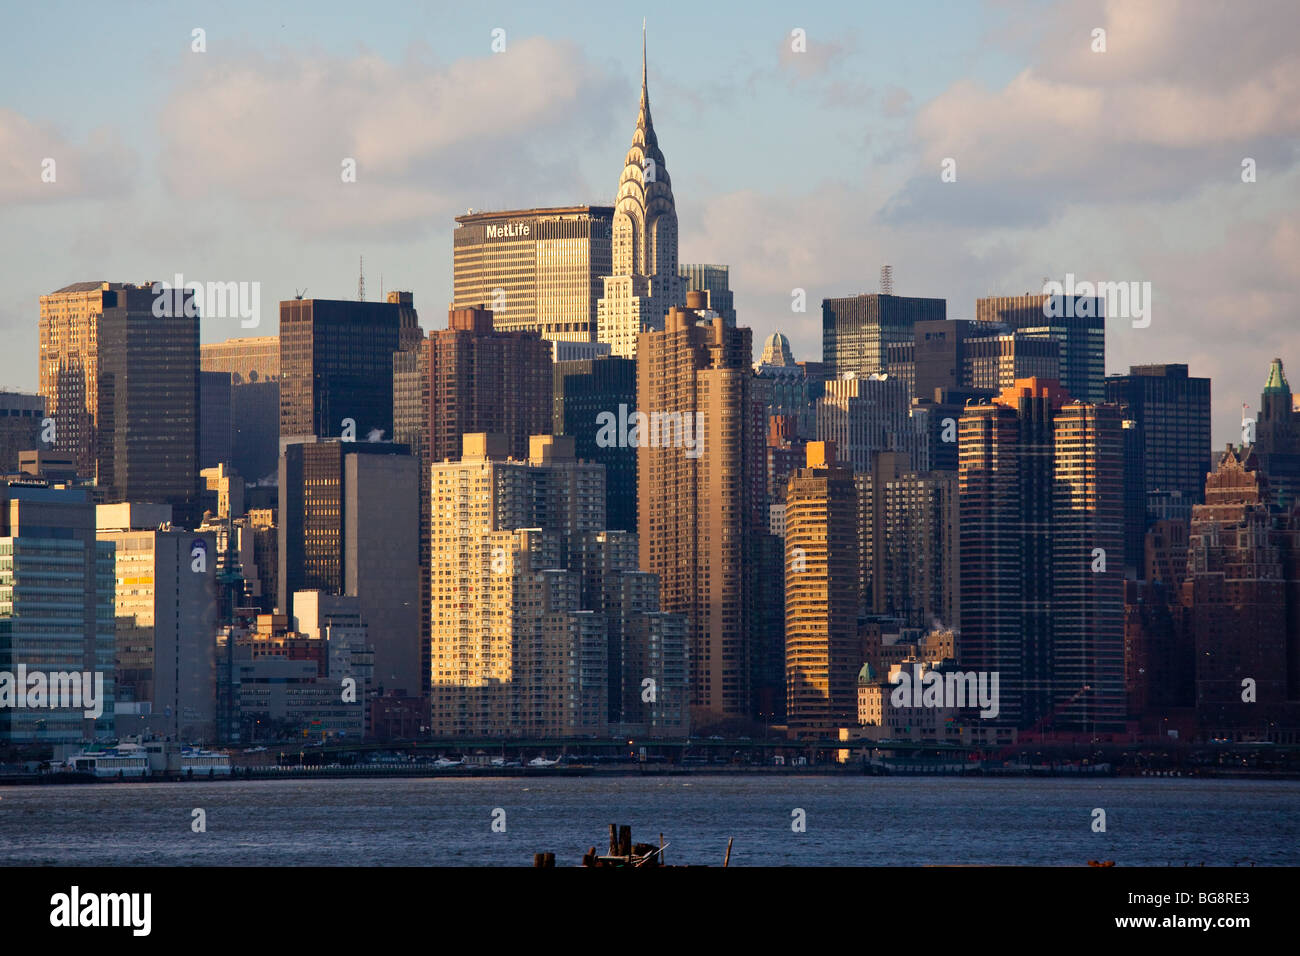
[392, 773]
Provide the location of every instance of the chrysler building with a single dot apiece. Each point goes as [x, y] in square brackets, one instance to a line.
[644, 283]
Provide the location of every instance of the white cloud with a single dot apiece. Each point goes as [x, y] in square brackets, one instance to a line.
[427, 139]
[1183, 92]
[101, 167]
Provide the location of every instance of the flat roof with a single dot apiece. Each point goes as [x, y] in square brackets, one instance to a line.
[536, 213]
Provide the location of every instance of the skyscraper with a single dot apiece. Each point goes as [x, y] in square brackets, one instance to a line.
[56, 608]
[349, 524]
[20, 427]
[1276, 444]
[700, 494]
[537, 270]
[166, 623]
[1087, 596]
[148, 400]
[252, 359]
[120, 379]
[822, 596]
[910, 548]
[411, 408]
[865, 415]
[532, 597]
[216, 427]
[253, 367]
[486, 381]
[69, 367]
[1241, 602]
[643, 283]
[857, 330]
[584, 389]
[1041, 515]
[715, 282]
[1077, 325]
[1171, 415]
[336, 366]
[962, 354]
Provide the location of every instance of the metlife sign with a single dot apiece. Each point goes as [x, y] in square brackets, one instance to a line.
[509, 230]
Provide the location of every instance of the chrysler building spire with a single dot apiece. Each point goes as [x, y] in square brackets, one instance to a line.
[644, 283]
[645, 217]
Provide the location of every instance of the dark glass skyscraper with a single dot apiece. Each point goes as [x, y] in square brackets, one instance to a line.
[148, 401]
[1171, 412]
[857, 330]
[715, 282]
[336, 364]
[583, 389]
[1082, 338]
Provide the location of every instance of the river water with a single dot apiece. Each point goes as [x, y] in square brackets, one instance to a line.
[850, 820]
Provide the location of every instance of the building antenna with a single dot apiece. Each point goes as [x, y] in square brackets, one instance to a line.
[361, 281]
[886, 280]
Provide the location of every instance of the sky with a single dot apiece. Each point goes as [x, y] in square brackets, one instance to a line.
[802, 169]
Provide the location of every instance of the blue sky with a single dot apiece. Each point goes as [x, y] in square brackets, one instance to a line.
[800, 170]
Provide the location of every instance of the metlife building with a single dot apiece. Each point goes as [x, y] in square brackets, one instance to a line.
[536, 269]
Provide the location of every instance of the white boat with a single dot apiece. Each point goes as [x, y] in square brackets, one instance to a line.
[124, 760]
[204, 763]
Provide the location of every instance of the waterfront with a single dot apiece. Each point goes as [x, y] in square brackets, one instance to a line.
[855, 820]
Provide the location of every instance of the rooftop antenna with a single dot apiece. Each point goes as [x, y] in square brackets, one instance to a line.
[886, 280]
[299, 293]
[361, 282]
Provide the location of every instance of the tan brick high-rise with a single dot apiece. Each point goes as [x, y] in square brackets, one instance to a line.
[700, 495]
[69, 368]
[822, 595]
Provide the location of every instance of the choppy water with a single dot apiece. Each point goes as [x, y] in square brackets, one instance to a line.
[849, 821]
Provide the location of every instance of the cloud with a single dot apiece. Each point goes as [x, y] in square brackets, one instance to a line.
[1183, 92]
[822, 70]
[38, 164]
[426, 138]
[815, 56]
[896, 102]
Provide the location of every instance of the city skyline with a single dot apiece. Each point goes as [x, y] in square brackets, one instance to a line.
[763, 141]
[400, 467]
